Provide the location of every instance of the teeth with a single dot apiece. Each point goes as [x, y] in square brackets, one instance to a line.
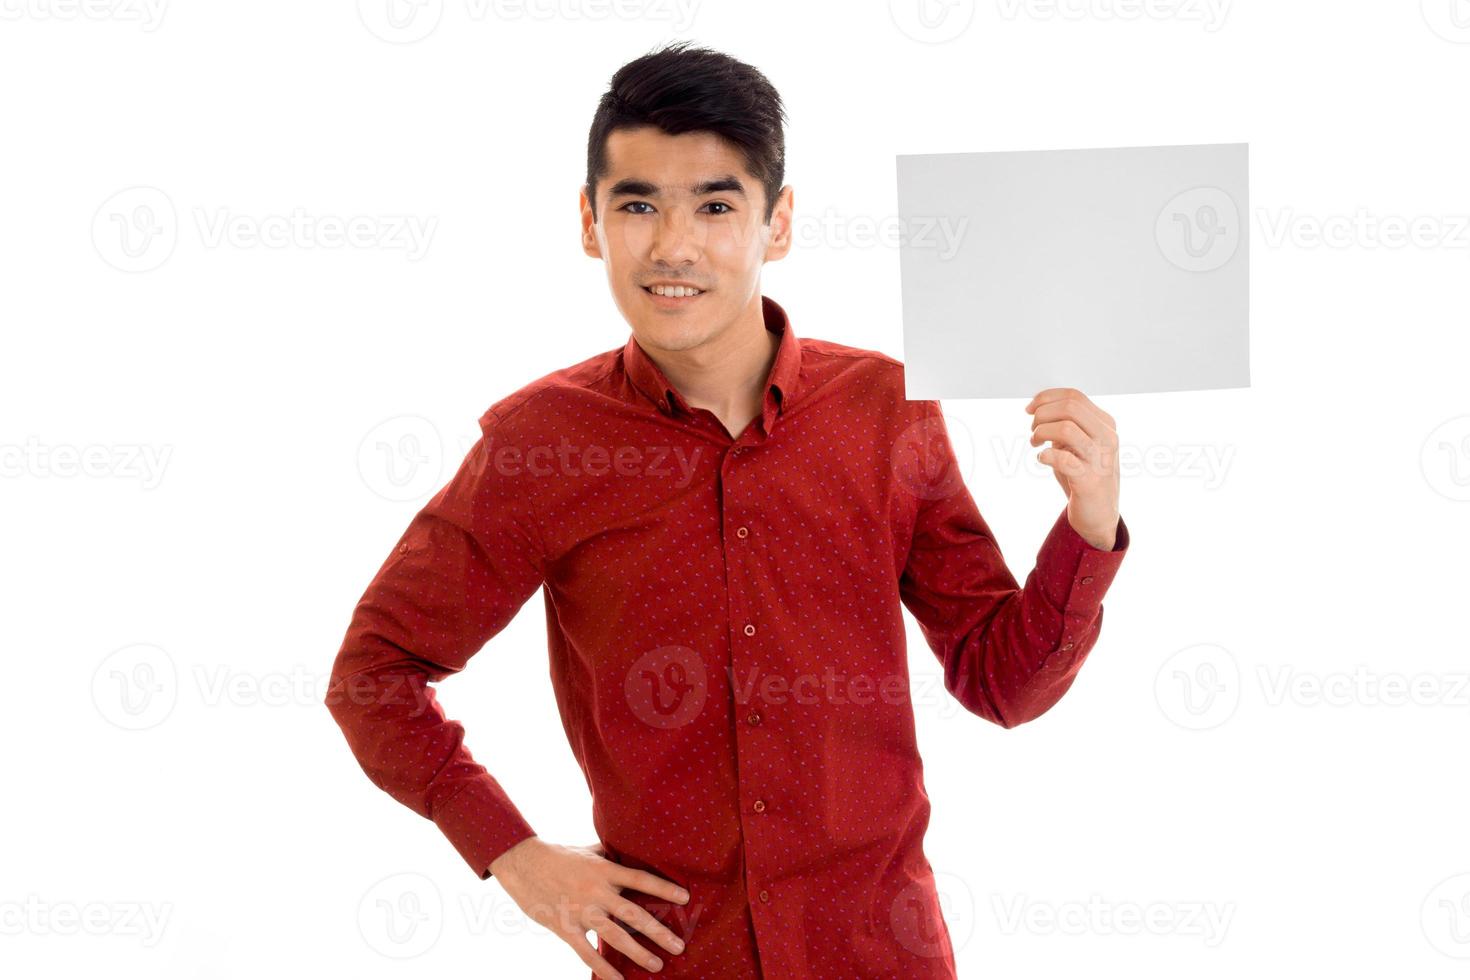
[675, 290]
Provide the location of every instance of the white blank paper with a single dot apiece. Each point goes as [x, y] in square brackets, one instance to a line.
[1108, 270]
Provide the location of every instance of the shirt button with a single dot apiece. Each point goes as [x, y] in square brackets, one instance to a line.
[742, 532]
[759, 806]
[765, 896]
[750, 629]
[1086, 579]
[754, 718]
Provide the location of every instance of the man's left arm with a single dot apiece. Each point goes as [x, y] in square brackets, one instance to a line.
[1010, 652]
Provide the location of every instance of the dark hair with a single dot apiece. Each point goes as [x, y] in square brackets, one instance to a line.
[682, 89]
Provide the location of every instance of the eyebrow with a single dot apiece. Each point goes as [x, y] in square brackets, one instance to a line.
[632, 187]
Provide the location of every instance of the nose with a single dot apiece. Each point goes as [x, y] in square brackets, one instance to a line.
[678, 239]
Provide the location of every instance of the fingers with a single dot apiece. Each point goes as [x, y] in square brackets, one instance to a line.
[1069, 420]
[592, 958]
[642, 920]
[584, 889]
[1063, 461]
[1063, 403]
[649, 884]
[1048, 395]
[1068, 435]
[620, 939]
[1091, 419]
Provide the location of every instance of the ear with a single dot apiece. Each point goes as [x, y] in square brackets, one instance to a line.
[589, 227]
[779, 242]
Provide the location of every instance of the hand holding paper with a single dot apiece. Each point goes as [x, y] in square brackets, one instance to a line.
[1083, 456]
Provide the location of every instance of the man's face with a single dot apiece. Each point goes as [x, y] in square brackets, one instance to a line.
[682, 208]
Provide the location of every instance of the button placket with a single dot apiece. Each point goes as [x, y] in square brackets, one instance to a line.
[744, 654]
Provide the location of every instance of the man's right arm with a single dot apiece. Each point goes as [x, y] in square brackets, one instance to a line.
[466, 564]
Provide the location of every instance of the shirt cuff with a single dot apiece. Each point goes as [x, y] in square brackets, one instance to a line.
[1074, 575]
[482, 824]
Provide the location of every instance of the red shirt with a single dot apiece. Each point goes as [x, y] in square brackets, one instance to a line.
[724, 617]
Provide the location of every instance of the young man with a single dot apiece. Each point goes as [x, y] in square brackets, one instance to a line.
[727, 522]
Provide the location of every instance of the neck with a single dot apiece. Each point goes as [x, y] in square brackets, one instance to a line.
[727, 374]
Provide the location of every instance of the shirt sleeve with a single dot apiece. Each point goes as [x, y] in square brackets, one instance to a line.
[465, 565]
[1009, 652]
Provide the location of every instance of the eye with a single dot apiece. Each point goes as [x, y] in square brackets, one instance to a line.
[645, 204]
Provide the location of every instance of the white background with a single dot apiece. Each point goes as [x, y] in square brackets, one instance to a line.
[1235, 751]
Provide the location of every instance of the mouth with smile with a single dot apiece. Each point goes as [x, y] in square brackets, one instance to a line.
[673, 296]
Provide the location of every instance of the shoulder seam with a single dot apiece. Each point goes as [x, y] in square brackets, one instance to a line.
[857, 354]
[545, 388]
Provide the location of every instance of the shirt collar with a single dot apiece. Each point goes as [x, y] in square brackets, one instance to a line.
[781, 382]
